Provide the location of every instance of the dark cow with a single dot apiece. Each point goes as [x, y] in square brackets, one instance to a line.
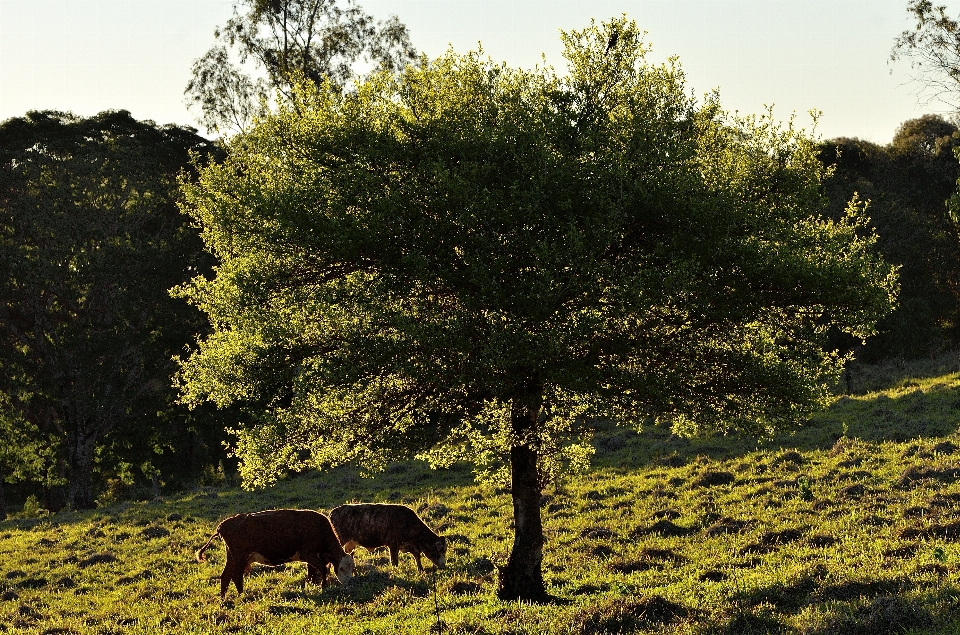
[396, 527]
[276, 536]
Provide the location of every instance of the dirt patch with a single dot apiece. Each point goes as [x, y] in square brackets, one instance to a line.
[666, 514]
[601, 551]
[662, 528]
[480, 566]
[66, 582]
[281, 609]
[906, 551]
[913, 474]
[846, 464]
[944, 500]
[792, 457]
[876, 521]
[667, 555]
[670, 460]
[944, 447]
[712, 478]
[943, 531]
[935, 568]
[155, 532]
[911, 533]
[772, 540]
[821, 540]
[465, 587]
[856, 490]
[635, 566]
[726, 526]
[598, 533]
[434, 511]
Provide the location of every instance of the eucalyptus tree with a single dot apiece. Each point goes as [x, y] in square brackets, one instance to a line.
[465, 259]
[282, 42]
[933, 49]
[91, 238]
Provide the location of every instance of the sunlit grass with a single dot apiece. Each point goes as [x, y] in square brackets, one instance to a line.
[850, 524]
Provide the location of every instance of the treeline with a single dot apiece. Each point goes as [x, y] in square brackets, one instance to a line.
[91, 242]
[91, 239]
[909, 184]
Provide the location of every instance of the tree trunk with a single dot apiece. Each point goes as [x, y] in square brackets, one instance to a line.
[81, 469]
[522, 578]
[54, 490]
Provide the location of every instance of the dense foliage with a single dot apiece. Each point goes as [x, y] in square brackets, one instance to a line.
[465, 258]
[283, 41]
[90, 240]
[908, 184]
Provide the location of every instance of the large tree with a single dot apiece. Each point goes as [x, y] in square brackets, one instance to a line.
[91, 238]
[270, 45]
[463, 255]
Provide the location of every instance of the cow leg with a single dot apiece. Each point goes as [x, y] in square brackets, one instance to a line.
[395, 555]
[225, 578]
[238, 580]
[228, 571]
[317, 575]
[416, 556]
[316, 567]
[239, 565]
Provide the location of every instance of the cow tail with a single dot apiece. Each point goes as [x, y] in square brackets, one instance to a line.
[200, 556]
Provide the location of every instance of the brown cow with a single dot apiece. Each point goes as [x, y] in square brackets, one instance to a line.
[276, 536]
[397, 527]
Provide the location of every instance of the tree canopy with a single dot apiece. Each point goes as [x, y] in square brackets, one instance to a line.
[907, 183]
[468, 258]
[286, 41]
[90, 240]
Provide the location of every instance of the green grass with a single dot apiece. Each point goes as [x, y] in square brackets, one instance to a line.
[848, 525]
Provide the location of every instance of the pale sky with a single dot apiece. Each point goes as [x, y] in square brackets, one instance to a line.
[831, 55]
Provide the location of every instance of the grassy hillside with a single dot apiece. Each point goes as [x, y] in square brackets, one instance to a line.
[850, 525]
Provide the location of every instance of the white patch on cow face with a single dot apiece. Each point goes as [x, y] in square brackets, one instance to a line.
[345, 569]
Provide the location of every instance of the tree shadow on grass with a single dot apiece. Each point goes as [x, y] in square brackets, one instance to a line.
[367, 586]
[913, 413]
[871, 607]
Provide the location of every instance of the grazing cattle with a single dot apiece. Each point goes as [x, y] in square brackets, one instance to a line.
[277, 536]
[396, 527]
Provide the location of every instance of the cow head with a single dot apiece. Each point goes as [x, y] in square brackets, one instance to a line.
[344, 569]
[436, 552]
